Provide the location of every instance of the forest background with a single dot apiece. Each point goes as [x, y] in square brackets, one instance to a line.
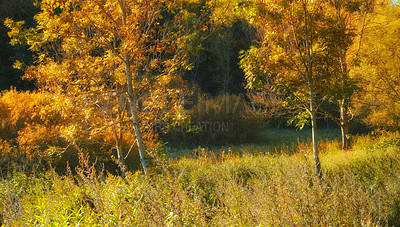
[229, 78]
[195, 112]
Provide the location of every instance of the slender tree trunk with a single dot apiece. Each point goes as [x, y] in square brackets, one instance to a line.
[118, 138]
[344, 126]
[132, 98]
[138, 135]
[344, 120]
[314, 133]
[119, 150]
[313, 110]
[132, 104]
[120, 160]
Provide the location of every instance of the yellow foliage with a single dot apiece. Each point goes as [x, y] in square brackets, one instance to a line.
[379, 71]
[101, 55]
[30, 120]
[36, 139]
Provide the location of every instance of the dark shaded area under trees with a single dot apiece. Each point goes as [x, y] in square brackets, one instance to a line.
[10, 77]
[216, 66]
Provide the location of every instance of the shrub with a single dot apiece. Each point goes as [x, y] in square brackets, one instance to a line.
[42, 129]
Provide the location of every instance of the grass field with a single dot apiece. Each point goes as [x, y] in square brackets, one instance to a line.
[272, 140]
[236, 186]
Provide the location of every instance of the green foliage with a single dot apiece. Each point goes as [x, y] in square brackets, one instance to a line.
[300, 120]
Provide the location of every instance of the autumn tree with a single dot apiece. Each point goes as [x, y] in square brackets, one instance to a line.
[86, 48]
[346, 22]
[378, 72]
[290, 56]
[30, 122]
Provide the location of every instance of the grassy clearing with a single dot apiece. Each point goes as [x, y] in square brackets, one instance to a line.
[272, 140]
[361, 187]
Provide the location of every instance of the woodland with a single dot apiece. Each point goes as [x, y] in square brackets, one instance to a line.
[199, 112]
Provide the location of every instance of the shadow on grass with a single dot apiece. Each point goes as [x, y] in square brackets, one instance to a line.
[271, 140]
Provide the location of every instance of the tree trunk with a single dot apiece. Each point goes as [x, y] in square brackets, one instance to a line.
[132, 104]
[138, 135]
[118, 137]
[120, 160]
[132, 98]
[344, 126]
[314, 134]
[313, 110]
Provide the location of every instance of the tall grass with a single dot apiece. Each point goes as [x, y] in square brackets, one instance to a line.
[360, 187]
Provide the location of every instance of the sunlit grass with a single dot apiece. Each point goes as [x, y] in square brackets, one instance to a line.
[236, 186]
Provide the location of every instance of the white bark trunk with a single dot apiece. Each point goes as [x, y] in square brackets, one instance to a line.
[132, 98]
[314, 134]
[344, 126]
[132, 104]
[311, 94]
[120, 160]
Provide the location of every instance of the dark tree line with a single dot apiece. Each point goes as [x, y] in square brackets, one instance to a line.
[19, 10]
[215, 70]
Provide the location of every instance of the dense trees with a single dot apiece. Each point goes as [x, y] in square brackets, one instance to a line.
[215, 66]
[346, 21]
[291, 55]
[86, 48]
[123, 63]
[379, 71]
[305, 53]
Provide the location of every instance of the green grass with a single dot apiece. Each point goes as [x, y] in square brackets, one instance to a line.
[287, 135]
[272, 140]
[238, 186]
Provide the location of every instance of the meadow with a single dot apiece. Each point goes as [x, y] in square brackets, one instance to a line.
[267, 184]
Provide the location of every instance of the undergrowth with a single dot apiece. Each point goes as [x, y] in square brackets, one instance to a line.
[360, 187]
